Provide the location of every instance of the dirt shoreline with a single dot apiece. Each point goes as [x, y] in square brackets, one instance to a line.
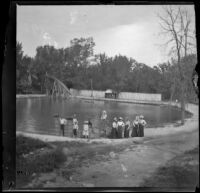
[120, 165]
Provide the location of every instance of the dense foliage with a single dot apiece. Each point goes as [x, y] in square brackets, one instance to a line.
[77, 67]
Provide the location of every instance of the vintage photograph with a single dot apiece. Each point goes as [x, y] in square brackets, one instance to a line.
[106, 96]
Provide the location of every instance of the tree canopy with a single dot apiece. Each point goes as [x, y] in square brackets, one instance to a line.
[77, 65]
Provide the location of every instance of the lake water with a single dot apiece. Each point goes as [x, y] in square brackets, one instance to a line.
[37, 114]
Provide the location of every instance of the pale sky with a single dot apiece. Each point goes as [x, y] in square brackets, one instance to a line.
[130, 30]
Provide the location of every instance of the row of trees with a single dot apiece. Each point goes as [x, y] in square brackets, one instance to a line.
[76, 66]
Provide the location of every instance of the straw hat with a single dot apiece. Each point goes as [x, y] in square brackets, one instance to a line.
[120, 118]
[141, 117]
[85, 122]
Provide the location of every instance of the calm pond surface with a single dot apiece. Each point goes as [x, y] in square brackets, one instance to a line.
[37, 114]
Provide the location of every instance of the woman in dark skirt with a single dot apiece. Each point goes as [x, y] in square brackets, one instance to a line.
[120, 127]
[127, 128]
[142, 123]
[135, 128]
[141, 129]
[114, 129]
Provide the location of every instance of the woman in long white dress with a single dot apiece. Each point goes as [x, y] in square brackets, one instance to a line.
[104, 121]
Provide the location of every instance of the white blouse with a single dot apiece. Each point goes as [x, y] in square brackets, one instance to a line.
[120, 123]
[143, 122]
[114, 125]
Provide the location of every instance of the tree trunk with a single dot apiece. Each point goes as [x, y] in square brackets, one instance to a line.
[182, 84]
[171, 93]
[182, 105]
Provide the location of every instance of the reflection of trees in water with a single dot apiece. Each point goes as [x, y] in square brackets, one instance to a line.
[29, 120]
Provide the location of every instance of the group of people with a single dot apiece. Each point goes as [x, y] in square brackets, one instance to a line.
[124, 129]
[86, 126]
[120, 128]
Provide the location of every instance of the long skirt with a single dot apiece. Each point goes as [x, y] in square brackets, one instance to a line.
[62, 129]
[104, 125]
[120, 132]
[85, 132]
[141, 131]
[126, 132]
[75, 132]
[114, 133]
[134, 131]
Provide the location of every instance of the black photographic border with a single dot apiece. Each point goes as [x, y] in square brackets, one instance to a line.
[8, 42]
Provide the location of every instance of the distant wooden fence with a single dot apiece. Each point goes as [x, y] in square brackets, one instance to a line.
[140, 96]
[122, 95]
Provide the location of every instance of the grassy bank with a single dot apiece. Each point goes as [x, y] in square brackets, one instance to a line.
[180, 172]
[34, 156]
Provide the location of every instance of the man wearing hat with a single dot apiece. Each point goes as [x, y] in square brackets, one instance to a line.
[120, 127]
[114, 128]
[63, 122]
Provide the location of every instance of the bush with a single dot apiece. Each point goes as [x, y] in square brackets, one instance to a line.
[48, 161]
[42, 162]
[25, 145]
[39, 163]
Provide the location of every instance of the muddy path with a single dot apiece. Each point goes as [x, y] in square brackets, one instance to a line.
[115, 165]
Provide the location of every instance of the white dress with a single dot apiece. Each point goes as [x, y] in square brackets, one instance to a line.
[75, 124]
[85, 130]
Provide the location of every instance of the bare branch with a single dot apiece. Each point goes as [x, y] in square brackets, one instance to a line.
[176, 24]
[178, 13]
[164, 20]
[165, 29]
[171, 15]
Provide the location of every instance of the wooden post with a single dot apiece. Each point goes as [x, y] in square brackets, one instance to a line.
[91, 88]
